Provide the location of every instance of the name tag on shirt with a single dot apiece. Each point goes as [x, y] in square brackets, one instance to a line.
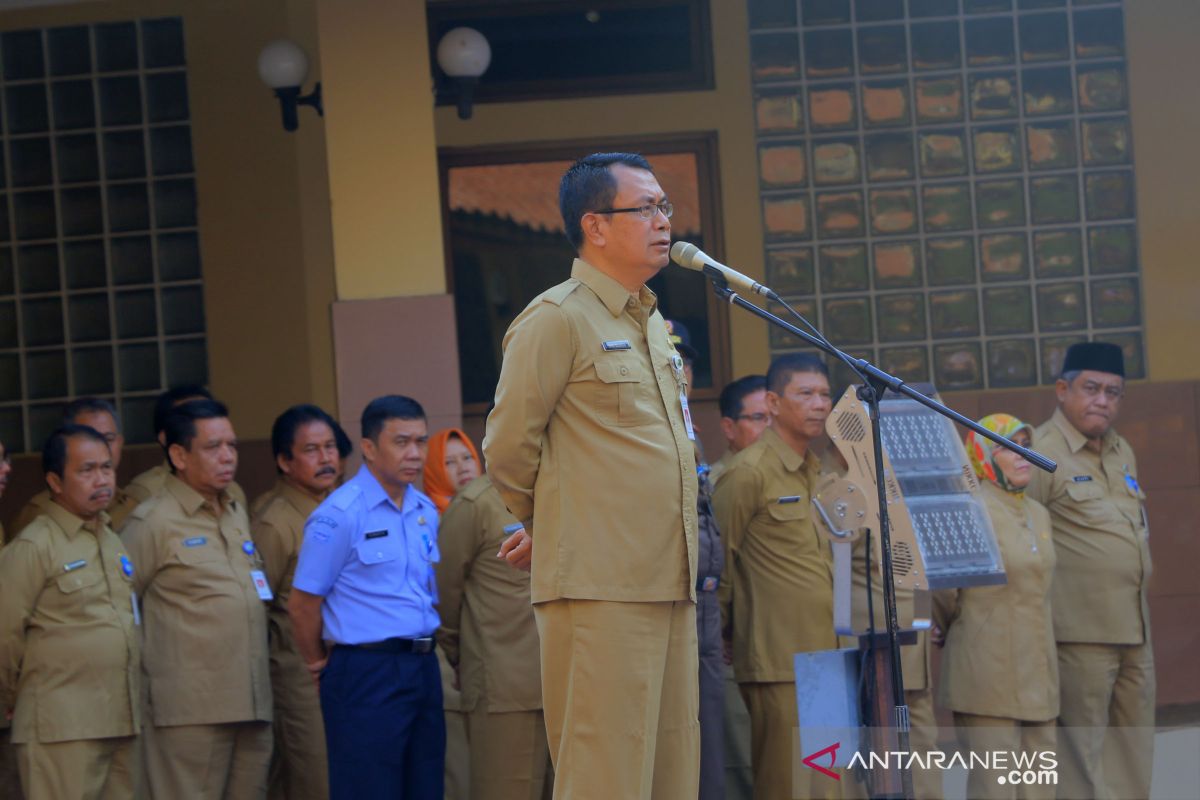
[376, 534]
[195, 541]
[616, 344]
[791, 498]
[1082, 478]
[687, 415]
[74, 565]
[509, 530]
[260, 585]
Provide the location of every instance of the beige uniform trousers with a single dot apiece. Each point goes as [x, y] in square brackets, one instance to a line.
[83, 769]
[739, 770]
[299, 766]
[979, 735]
[210, 762]
[923, 737]
[776, 750]
[458, 753]
[1106, 719]
[620, 691]
[509, 755]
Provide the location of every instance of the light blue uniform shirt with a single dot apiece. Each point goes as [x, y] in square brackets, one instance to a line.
[372, 562]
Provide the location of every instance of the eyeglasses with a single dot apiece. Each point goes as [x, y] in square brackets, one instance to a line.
[1111, 392]
[759, 417]
[645, 212]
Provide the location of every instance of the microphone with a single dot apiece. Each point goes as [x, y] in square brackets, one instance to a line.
[689, 256]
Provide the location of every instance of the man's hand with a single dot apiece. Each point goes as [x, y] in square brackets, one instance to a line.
[314, 669]
[517, 550]
[937, 637]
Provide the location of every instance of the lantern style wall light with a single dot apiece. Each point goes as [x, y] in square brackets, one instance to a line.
[464, 54]
[283, 66]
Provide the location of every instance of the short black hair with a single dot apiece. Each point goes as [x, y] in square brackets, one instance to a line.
[733, 395]
[783, 368]
[344, 445]
[390, 406]
[180, 425]
[89, 405]
[283, 431]
[588, 185]
[171, 398]
[54, 451]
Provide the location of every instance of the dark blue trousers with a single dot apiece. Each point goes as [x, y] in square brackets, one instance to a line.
[384, 725]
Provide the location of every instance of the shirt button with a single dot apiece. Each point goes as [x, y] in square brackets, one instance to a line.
[624, 370]
[379, 555]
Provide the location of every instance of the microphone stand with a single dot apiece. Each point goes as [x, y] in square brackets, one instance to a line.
[877, 382]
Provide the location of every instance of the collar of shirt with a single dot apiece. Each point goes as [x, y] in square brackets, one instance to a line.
[612, 294]
[1076, 440]
[71, 524]
[299, 499]
[374, 493]
[191, 500]
[792, 460]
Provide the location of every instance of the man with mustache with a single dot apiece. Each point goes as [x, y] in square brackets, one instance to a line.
[69, 650]
[202, 587]
[1101, 615]
[776, 593]
[102, 417]
[305, 444]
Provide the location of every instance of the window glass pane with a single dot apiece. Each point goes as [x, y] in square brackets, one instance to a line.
[124, 155]
[178, 257]
[128, 207]
[25, 108]
[885, 104]
[950, 261]
[785, 217]
[34, 213]
[8, 283]
[1007, 309]
[778, 111]
[1012, 362]
[92, 370]
[10, 386]
[37, 266]
[31, 162]
[897, 265]
[1057, 254]
[139, 367]
[840, 215]
[82, 214]
[774, 56]
[23, 57]
[171, 149]
[167, 97]
[958, 366]
[116, 47]
[8, 324]
[162, 42]
[790, 272]
[70, 50]
[136, 315]
[183, 310]
[1002, 257]
[187, 362]
[83, 261]
[73, 106]
[832, 107]
[1061, 306]
[175, 203]
[844, 268]
[77, 158]
[835, 161]
[132, 261]
[46, 374]
[1115, 303]
[847, 319]
[1047, 91]
[1112, 248]
[901, 317]
[88, 315]
[120, 101]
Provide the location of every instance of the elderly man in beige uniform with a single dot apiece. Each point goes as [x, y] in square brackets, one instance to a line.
[101, 416]
[1101, 615]
[490, 639]
[10, 784]
[590, 447]
[69, 655]
[777, 590]
[202, 589]
[306, 456]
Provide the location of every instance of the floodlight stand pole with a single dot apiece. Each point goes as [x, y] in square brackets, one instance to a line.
[870, 393]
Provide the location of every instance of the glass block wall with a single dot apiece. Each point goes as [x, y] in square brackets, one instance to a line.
[100, 287]
[947, 185]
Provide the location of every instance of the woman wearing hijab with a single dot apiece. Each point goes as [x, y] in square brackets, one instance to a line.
[452, 463]
[1000, 669]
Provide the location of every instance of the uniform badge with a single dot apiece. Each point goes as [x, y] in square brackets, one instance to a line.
[126, 566]
[421, 520]
[248, 547]
[195, 541]
[1134, 487]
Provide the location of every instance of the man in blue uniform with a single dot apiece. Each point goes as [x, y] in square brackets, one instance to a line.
[365, 582]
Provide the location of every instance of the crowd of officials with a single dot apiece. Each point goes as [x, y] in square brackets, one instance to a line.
[353, 635]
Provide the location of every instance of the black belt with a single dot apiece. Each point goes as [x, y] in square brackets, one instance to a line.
[421, 645]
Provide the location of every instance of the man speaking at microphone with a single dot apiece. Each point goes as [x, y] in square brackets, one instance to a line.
[590, 446]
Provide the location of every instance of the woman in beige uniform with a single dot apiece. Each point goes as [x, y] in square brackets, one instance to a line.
[1000, 669]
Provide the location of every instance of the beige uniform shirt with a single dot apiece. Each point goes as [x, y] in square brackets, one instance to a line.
[1100, 536]
[588, 446]
[1000, 659]
[278, 531]
[205, 651]
[487, 626]
[149, 483]
[777, 589]
[719, 467]
[120, 507]
[69, 655]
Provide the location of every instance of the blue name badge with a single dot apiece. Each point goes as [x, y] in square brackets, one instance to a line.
[617, 344]
[1131, 482]
[126, 566]
[195, 541]
[74, 565]
[509, 530]
[1082, 478]
[791, 498]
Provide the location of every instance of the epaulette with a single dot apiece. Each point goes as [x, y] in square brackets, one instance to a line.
[557, 295]
[143, 509]
[475, 489]
[345, 496]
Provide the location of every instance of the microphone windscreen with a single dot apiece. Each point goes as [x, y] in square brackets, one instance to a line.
[684, 254]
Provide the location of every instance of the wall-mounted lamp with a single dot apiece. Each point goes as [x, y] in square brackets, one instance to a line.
[464, 55]
[282, 65]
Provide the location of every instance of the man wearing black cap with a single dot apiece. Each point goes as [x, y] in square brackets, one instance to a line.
[1101, 617]
[710, 561]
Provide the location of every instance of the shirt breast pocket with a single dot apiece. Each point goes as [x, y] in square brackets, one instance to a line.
[198, 555]
[789, 521]
[383, 550]
[78, 580]
[618, 387]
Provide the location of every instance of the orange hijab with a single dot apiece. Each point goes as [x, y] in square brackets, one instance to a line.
[438, 484]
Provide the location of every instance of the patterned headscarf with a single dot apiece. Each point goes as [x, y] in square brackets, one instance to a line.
[982, 452]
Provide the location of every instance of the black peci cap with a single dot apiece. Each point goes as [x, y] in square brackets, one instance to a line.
[1097, 356]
